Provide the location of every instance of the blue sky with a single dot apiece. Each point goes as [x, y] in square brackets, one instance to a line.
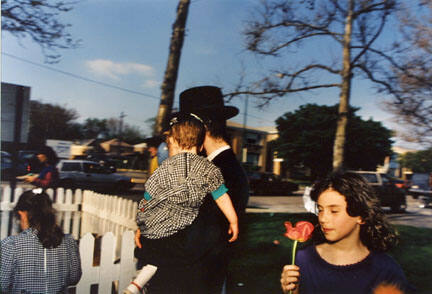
[125, 44]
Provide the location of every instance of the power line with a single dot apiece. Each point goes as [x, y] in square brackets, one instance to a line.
[80, 77]
[257, 117]
[94, 81]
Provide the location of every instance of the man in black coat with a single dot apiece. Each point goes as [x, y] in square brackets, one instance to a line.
[207, 102]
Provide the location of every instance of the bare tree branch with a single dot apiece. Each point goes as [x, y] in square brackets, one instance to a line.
[354, 25]
[39, 20]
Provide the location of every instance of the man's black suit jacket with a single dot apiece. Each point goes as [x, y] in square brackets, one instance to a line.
[235, 179]
[214, 250]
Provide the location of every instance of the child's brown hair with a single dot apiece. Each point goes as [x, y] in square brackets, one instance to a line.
[187, 129]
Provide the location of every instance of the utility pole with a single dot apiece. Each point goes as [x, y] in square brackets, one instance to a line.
[122, 115]
[244, 148]
[171, 71]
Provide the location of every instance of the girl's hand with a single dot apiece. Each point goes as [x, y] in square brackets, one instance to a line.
[289, 278]
[137, 238]
[30, 179]
[233, 230]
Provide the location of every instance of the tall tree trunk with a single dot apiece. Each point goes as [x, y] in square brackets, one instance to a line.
[339, 143]
[171, 71]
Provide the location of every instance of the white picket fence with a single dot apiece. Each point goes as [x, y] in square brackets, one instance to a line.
[111, 274]
[85, 214]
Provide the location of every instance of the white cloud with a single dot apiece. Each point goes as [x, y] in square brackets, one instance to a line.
[151, 84]
[112, 70]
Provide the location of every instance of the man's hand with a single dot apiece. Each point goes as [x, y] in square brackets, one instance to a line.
[137, 238]
[289, 278]
[233, 229]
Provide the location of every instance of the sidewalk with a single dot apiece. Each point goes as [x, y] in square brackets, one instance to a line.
[277, 204]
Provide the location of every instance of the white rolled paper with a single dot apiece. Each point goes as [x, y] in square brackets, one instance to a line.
[145, 274]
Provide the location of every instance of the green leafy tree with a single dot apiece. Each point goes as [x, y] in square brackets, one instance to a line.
[111, 128]
[132, 134]
[48, 121]
[418, 162]
[306, 138]
[94, 128]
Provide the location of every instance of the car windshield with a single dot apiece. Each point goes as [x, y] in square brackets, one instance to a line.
[420, 180]
[371, 178]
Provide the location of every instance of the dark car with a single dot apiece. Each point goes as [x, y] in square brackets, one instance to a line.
[421, 188]
[387, 190]
[267, 184]
[7, 173]
[91, 175]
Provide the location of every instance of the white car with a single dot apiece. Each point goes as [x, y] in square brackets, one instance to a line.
[90, 175]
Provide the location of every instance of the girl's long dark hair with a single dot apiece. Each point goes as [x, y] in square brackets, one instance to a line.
[41, 217]
[376, 233]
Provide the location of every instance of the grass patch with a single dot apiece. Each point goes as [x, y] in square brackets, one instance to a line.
[257, 264]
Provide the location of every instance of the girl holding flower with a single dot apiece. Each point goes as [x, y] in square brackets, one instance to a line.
[349, 251]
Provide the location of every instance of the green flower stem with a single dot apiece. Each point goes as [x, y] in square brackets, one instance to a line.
[293, 256]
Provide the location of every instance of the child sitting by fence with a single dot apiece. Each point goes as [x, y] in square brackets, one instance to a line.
[167, 237]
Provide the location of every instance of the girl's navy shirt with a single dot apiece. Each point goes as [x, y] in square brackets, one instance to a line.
[319, 276]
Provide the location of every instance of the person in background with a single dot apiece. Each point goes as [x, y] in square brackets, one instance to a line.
[162, 152]
[207, 102]
[152, 148]
[349, 251]
[41, 259]
[48, 176]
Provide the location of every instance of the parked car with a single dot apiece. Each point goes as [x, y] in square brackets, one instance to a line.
[103, 159]
[6, 167]
[421, 188]
[91, 175]
[266, 184]
[386, 188]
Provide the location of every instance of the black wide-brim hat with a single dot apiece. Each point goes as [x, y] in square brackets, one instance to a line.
[206, 101]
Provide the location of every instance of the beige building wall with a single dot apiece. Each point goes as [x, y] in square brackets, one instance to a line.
[255, 149]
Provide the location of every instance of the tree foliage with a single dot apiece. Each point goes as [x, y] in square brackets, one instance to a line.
[306, 139]
[418, 162]
[93, 128]
[48, 121]
[38, 19]
[351, 29]
[109, 128]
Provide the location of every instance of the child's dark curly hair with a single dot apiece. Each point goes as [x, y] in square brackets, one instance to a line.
[376, 233]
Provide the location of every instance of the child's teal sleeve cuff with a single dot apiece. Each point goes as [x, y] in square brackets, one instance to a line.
[147, 196]
[219, 191]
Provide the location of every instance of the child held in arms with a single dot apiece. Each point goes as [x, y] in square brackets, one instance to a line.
[174, 193]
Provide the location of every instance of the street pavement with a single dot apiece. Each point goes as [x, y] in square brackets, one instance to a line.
[414, 215]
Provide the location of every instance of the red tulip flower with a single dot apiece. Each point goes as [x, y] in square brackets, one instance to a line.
[300, 233]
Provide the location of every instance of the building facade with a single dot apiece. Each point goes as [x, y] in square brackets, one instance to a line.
[252, 148]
